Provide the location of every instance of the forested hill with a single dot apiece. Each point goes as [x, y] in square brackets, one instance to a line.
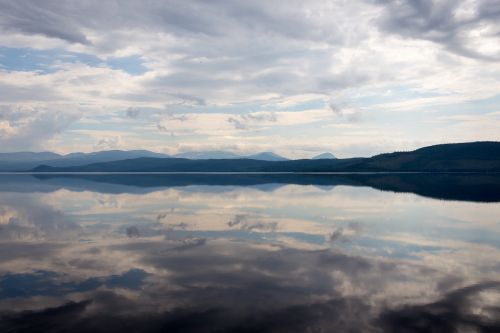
[474, 156]
[461, 157]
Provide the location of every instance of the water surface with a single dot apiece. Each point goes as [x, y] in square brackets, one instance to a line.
[250, 253]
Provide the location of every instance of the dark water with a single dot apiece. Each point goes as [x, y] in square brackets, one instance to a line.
[250, 253]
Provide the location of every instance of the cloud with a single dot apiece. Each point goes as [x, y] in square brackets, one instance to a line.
[258, 119]
[230, 68]
[351, 114]
[133, 112]
[41, 17]
[209, 277]
[29, 220]
[345, 234]
[463, 307]
[236, 123]
[237, 220]
[132, 232]
[249, 223]
[161, 216]
[199, 123]
[109, 143]
[204, 279]
[28, 127]
[468, 28]
[335, 108]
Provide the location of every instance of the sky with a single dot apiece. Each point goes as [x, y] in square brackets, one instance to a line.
[354, 78]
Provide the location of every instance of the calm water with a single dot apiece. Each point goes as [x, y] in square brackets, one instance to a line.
[220, 253]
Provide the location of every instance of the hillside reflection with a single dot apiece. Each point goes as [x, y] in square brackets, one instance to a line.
[98, 255]
[458, 186]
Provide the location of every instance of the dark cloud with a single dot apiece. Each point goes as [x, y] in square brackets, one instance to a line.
[342, 111]
[260, 117]
[161, 127]
[133, 112]
[335, 108]
[239, 288]
[337, 235]
[437, 21]
[459, 309]
[132, 232]
[216, 297]
[48, 18]
[162, 216]
[245, 121]
[45, 320]
[343, 315]
[237, 219]
[250, 223]
[108, 143]
[67, 21]
[191, 282]
[190, 243]
[236, 123]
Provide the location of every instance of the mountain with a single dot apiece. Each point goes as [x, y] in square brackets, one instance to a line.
[456, 157]
[462, 157]
[324, 156]
[219, 155]
[267, 156]
[145, 164]
[27, 160]
[76, 159]
[207, 155]
[22, 161]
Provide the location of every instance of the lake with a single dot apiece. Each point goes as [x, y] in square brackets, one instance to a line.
[250, 253]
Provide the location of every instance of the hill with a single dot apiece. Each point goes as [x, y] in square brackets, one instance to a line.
[463, 157]
[207, 155]
[327, 156]
[224, 155]
[213, 165]
[28, 160]
[457, 157]
[266, 156]
[22, 161]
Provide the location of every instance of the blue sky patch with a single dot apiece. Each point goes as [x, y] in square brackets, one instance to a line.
[45, 61]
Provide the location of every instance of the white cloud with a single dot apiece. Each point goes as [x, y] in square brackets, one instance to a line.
[221, 63]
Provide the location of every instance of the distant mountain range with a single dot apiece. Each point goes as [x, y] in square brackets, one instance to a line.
[324, 156]
[460, 157]
[28, 160]
[219, 155]
[22, 161]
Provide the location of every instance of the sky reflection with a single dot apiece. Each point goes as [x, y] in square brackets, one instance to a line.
[203, 258]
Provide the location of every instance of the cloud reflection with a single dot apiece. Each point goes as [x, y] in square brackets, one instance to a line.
[244, 260]
[226, 287]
